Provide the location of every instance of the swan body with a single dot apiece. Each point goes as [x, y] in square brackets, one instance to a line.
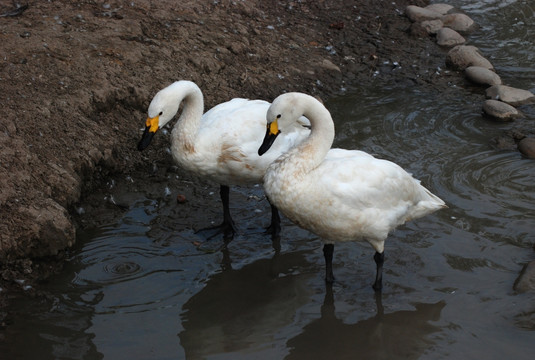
[340, 195]
[220, 145]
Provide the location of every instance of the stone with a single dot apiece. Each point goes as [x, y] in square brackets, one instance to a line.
[449, 37]
[327, 64]
[418, 14]
[527, 147]
[463, 56]
[500, 110]
[526, 280]
[483, 76]
[52, 229]
[439, 8]
[432, 26]
[459, 22]
[417, 30]
[510, 95]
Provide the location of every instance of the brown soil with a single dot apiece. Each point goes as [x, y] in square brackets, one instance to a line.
[77, 77]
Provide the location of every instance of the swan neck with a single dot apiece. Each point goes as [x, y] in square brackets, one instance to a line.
[188, 123]
[321, 137]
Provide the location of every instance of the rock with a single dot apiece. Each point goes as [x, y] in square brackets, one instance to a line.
[52, 230]
[527, 147]
[432, 26]
[439, 8]
[504, 142]
[463, 56]
[417, 30]
[483, 76]
[526, 280]
[449, 37]
[459, 22]
[417, 14]
[510, 95]
[500, 110]
[327, 64]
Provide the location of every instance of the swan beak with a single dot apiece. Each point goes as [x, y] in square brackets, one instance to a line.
[271, 134]
[151, 126]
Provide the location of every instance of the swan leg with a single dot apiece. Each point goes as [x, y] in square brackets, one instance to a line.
[379, 260]
[227, 227]
[275, 227]
[328, 250]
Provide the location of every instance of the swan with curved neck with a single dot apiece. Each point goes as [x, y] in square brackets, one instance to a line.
[340, 195]
[220, 145]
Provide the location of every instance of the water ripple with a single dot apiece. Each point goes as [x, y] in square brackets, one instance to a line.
[493, 179]
[121, 270]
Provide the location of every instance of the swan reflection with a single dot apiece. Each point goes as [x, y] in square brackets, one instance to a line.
[241, 310]
[251, 312]
[401, 334]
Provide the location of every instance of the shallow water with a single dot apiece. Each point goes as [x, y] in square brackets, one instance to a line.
[144, 286]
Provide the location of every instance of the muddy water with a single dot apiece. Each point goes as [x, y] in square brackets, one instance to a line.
[142, 285]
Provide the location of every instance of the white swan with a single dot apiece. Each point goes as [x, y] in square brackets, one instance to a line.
[340, 195]
[220, 145]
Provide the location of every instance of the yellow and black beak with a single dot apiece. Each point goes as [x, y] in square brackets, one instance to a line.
[152, 125]
[271, 134]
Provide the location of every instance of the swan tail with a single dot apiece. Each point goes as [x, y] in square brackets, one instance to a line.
[427, 205]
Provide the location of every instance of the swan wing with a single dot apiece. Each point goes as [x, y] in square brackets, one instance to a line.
[236, 111]
[363, 179]
[228, 137]
[374, 195]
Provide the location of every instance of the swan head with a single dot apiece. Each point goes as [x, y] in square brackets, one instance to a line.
[272, 132]
[162, 109]
[282, 113]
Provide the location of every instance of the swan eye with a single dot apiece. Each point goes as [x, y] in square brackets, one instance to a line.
[160, 114]
[279, 116]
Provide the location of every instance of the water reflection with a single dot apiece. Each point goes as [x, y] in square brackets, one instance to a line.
[239, 311]
[51, 328]
[397, 335]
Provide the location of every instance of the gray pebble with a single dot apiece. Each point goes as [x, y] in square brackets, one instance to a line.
[483, 76]
[526, 280]
[527, 147]
[500, 110]
[463, 56]
[449, 37]
[510, 95]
